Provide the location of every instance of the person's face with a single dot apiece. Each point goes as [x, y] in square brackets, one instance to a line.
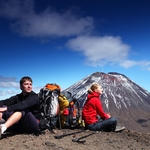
[26, 87]
[99, 90]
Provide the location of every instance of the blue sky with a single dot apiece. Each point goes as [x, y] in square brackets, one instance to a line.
[63, 41]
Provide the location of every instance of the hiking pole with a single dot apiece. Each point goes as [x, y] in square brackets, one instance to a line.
[67, 134]
[78, 140]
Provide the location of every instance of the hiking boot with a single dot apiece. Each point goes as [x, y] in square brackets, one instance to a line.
[119, 129]
[2, 129]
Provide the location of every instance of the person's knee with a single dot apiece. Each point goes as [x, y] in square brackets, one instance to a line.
[113, 119]
[17, 115]
[25, 113]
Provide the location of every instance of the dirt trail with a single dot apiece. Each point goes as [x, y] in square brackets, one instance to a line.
[125, 140]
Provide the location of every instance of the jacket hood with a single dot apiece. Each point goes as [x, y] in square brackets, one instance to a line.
[93, 94]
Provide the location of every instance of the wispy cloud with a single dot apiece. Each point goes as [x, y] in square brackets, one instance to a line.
[7, 79]
[98, 50]
[17, 9]
[6, 82]
[6, 93]
[130, 63]
[8, 86]
[45, 24]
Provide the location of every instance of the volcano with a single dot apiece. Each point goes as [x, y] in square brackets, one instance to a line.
[122, 98]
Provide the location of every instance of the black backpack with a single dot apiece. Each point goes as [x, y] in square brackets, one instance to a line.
[49, 106]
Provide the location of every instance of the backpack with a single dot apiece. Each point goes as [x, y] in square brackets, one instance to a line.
[69, 110]
[49, 106]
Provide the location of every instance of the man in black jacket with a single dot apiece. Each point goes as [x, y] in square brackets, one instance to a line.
[21, 112]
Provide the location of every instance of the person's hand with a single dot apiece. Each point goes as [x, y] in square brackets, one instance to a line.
[3, 109]
[108, 115]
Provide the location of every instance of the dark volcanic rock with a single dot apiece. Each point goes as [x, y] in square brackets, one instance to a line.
[122, 97]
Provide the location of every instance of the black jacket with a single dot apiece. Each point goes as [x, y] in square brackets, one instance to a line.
[20, 103]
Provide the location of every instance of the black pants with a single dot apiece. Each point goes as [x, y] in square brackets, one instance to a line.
[28, 123]
[103, 125]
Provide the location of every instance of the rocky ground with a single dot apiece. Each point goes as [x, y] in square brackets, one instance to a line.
[89, 140]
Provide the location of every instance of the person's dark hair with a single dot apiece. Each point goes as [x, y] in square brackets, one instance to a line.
[23, 79]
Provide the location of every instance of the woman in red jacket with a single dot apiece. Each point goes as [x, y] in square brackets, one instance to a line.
[93, 110]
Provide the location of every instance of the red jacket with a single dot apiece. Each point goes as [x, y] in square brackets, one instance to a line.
[92, 108]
